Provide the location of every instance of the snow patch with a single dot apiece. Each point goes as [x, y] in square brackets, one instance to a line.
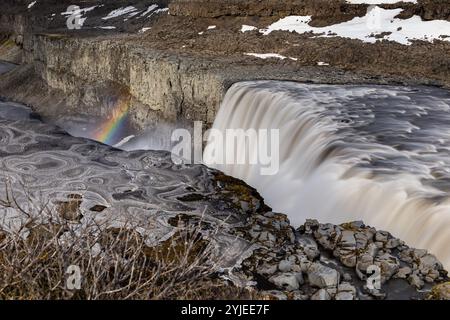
[246, 28]
[211, 27]
[145, 29]
[268, 56]
[377, 24]
[120, 12]
[31, 4]
[149, 9]
[162, 10]
[321, 63]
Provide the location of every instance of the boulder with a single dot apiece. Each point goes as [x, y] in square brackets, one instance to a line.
[321, 294]
[322, 276]
[288, 281]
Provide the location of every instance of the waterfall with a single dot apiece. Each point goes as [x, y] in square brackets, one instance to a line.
[374, 153]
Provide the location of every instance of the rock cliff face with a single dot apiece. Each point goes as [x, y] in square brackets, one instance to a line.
[160, 85]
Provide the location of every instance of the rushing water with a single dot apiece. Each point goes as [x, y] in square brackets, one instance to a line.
[375, 153]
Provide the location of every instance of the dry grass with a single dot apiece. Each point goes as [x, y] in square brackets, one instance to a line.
[114, 263]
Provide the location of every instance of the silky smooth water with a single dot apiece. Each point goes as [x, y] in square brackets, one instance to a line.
[380, 154]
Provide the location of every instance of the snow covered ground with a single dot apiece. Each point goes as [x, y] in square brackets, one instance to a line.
[377, 24]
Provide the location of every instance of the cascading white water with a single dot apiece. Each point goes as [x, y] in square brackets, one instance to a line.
[373, 153]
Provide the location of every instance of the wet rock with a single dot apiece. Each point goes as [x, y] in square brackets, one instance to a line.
[310, 226]
[322, 276]
[364, 262]
[403, 273]
[327, 235]
[382, 236]
[267, 269]
[273, 295]
[298, 295]
[393, 243]
[288, 281]
[388, 264]
[348, 239]
[361, 240]
[346, 287]
[376, 293]
[305, 264]
[348, 258]
[347, 277]
[415, 281]
[429, 262]
[344, 296]
[285, 265]
[321, 294]
[371, 249]
[309, 246]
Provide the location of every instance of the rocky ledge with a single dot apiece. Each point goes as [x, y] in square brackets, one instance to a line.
[326, 261]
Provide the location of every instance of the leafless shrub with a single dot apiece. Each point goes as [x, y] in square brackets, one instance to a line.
[114, 262]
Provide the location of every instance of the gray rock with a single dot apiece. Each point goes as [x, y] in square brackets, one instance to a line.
[321, 294]
[361, 240]
[403, 273]
[388, 264]
[305, 264]
[273, 295]
[347, 277]
[378, 294]
[349, 259]
[322, 276]
[327, 235]
[267, 269]
[298, 295]
[372, 249]
[348, 239]
[393, 243]
[344, 296]
[309, 246]
[311, 225]
[285, 265]
[419, 253]
[364, 262]
[429, 261]
[288, 281]
[415, 281]
[346, 287]
[382, 236]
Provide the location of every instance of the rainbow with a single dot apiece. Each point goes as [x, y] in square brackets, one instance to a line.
[111, 130]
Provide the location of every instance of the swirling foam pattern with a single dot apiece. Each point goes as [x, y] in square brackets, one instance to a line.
[42, 162]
